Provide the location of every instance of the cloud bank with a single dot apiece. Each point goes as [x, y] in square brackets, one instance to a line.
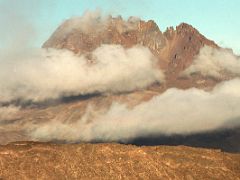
[50, 74]
[8, 112]
[174, 112]
[212, 62]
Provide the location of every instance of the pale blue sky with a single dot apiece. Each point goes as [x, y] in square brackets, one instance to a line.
[216, 19]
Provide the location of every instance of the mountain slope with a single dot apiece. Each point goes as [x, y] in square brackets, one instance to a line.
[174, 50]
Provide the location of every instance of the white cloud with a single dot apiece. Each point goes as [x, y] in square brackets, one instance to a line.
[48, 74]
[8, 112]
[213, 62]
[174, 112]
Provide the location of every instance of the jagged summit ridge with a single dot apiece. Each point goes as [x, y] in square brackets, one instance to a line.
[74, 35]
[174, 48]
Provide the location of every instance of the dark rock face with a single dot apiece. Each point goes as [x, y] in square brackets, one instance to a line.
[28, 160]
[185, 43]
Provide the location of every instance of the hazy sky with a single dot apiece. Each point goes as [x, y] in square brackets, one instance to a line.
[216, 19]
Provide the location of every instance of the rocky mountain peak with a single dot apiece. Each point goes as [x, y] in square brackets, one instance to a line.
[175, 48]
[112, 31]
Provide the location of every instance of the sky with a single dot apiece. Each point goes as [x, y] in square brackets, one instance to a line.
[216, 19]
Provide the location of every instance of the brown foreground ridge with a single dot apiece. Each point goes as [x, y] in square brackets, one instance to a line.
[31, 160]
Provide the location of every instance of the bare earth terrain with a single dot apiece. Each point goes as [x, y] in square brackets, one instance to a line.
[27, 160]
